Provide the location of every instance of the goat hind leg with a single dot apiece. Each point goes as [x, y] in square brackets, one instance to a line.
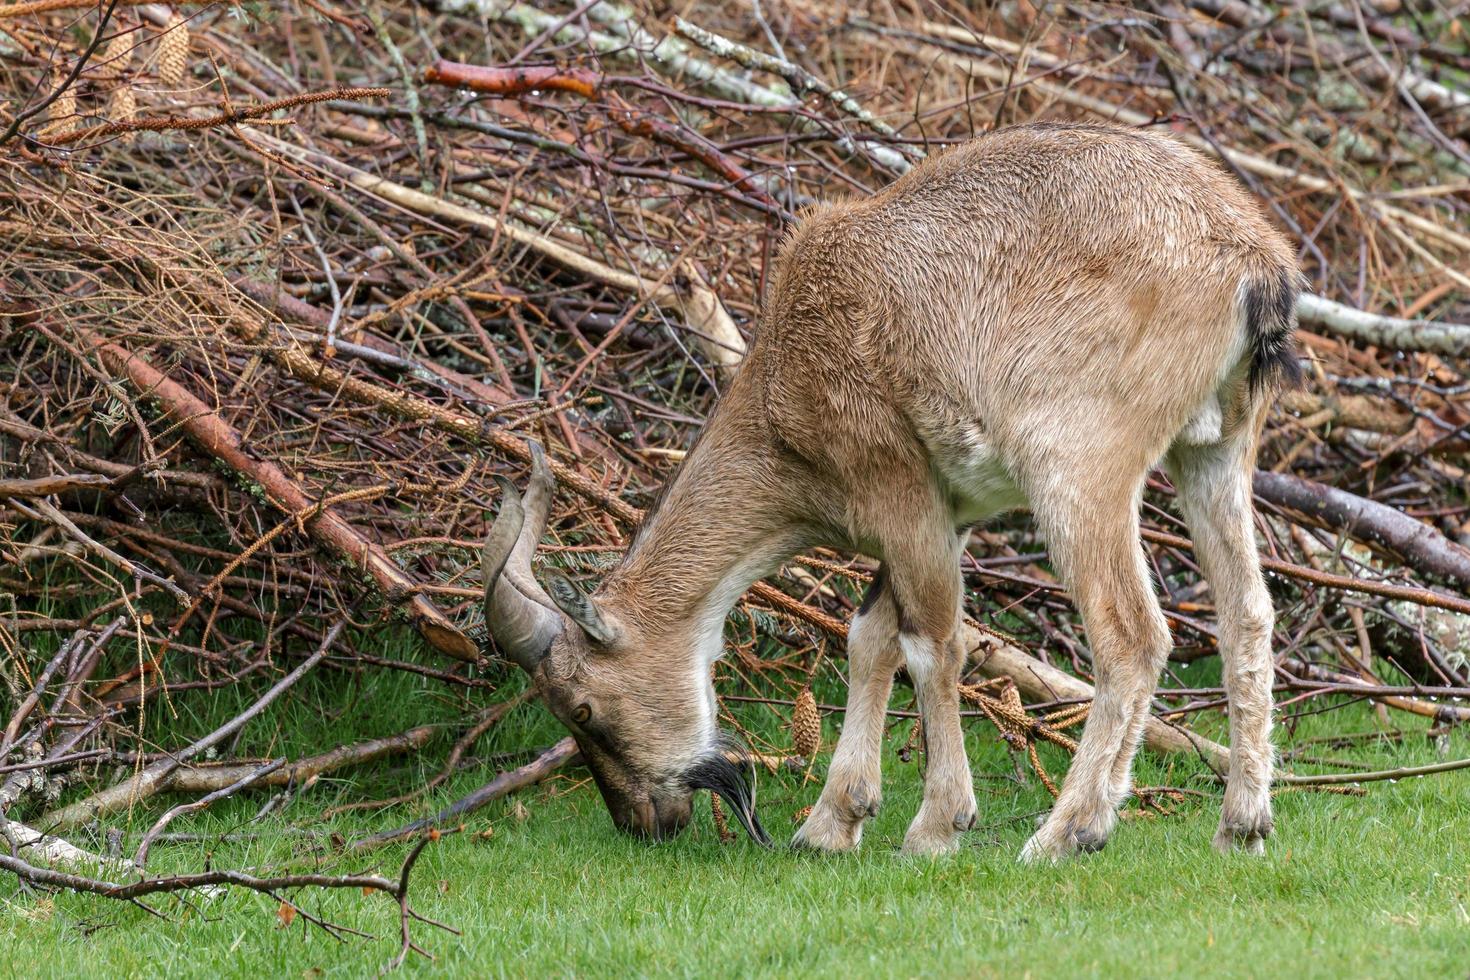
[1100, 556]
[1215, 496]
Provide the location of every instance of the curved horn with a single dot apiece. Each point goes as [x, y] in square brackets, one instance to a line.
[515, 606]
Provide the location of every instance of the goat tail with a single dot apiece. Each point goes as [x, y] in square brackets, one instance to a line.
[1268, 303]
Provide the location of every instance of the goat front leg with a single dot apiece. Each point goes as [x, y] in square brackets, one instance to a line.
[949, 792]
[853, 790]
[926, 592]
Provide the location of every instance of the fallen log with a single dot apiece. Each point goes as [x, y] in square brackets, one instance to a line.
[208, 779]
[1390, 332]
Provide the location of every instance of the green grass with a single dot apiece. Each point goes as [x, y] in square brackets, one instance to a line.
[1353, 886]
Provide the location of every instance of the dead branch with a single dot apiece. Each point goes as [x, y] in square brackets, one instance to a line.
[150, 780]
[213, 435]
[513, 81]
[397, 889]
[1353, 778]
[1388, 332]
[161, 124]
[561, 754]
[140, 858]
[210, 779]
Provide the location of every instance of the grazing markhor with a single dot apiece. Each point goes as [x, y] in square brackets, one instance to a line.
[1033, 319]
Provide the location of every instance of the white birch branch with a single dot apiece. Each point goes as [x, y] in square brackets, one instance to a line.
[1383, 331]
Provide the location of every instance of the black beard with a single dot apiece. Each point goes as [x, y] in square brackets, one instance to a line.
[733, 782]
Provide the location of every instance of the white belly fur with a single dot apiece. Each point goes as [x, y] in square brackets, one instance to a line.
[979, 483]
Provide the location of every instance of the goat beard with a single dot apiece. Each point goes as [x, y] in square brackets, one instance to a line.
[729, 773]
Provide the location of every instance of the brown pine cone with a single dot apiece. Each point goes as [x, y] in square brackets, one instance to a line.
[118, 54]
[121, 107]
[806, 725]
[173, 51]
[61, 115]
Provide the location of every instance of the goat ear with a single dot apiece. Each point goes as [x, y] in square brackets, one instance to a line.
[579, 606]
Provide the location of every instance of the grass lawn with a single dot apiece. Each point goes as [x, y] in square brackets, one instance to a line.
[1367, 886]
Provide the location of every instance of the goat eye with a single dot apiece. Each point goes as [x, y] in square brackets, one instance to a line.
[581, 714]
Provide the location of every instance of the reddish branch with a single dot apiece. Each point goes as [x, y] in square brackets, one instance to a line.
[513, 81]
[522, 81]
[217, 438]
[660, 131]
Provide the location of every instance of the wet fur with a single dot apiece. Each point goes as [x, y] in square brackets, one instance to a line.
[1033, 319]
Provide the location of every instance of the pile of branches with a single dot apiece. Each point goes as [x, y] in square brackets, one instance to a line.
[283, 285]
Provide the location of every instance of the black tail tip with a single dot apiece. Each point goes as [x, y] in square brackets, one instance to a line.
[1270, 319]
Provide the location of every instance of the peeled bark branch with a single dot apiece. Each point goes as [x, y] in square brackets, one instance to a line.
[47, 485]
[513, 81]
[1450, 714]
[205, 779]
[1366, 520]
[55, 852]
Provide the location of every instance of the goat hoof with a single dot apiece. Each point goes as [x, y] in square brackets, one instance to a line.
[862, 804]
[1247, 838]
[964, 820]
[1245, 823]
[1056, 842]
[828, 834]
[918, 843]
[1089, 841]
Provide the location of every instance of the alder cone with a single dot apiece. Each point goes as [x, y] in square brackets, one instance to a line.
[806, 725]
[173, 51]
